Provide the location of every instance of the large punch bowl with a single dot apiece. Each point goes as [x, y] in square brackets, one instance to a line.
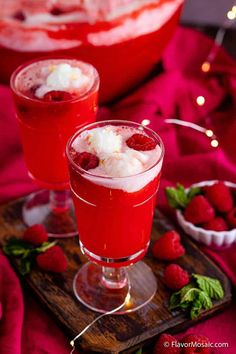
[123, 39]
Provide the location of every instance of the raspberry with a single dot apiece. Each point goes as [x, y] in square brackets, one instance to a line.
[231, 218]
[219, 196]
[199, 210]
[57, 96]
[198, 338]
[56, 11]
[164, 340]
[141, 142]
[52, 260]
[216, 224]
[86, 160]
[35, 235]
[168, 246]
[175, 277]
[19, 15]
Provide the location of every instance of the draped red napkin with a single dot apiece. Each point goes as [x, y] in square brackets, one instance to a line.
[28, 329]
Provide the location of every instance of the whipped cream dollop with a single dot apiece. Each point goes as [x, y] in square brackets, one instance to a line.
[117, 159]
[61, 77]
[70, 75]
[104, 141]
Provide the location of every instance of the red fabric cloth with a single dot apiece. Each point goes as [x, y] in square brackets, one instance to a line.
[189, 158]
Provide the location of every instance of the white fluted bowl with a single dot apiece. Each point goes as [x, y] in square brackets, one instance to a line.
[207, 237]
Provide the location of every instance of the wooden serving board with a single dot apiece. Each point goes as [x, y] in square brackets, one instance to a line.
[117, 333]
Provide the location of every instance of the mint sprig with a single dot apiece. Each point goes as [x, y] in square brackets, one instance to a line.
[202, 301]
[25, 252]
[15, 247]
[179, 197]
[197, 295]
[211, 286]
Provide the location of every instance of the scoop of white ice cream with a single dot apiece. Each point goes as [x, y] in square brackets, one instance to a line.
[121, 165]
[62, 77]
[139, 155]
[105, 141]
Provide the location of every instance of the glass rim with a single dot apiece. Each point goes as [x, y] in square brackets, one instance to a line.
[106, 122]
[28, 63]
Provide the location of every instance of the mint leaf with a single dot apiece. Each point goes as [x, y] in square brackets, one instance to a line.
[209, 285]
[185, 305]
[190, 295]
[193, 191]
[25, 266]
[44, 247]
[15, 247]
[177, 197]
[176, 298]
[203, 301]
[197, 295]
[195, 309]
[186, 288]
[25, 251]
[195, 299]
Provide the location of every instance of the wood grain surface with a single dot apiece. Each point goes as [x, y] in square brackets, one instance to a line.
[116, 333]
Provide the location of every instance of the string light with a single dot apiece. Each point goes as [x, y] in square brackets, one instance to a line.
[127, 300]
[214, 143]
[231, 15]
[206, 66]
[145, 122]
[208, 132]
[200, 100]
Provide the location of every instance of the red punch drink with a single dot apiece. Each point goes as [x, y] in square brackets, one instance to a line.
[114, 172]
[54, 98]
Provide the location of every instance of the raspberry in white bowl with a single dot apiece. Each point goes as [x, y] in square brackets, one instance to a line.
[206, 211]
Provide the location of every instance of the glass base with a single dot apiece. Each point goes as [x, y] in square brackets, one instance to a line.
[58, 222]
[89, 288]
[113, 262]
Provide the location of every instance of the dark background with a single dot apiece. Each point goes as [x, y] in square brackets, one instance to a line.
[208, 16]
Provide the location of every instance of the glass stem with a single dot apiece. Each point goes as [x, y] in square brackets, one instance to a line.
[59, 201]
[114, 278]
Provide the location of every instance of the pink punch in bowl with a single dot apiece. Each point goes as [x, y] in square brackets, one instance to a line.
[123, 39]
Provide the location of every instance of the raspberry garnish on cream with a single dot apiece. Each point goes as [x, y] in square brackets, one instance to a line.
[116, 158]
[69, 77]
[61, 77]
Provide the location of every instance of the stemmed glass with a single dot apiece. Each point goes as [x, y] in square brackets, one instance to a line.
[114, 218]
[45, 126]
